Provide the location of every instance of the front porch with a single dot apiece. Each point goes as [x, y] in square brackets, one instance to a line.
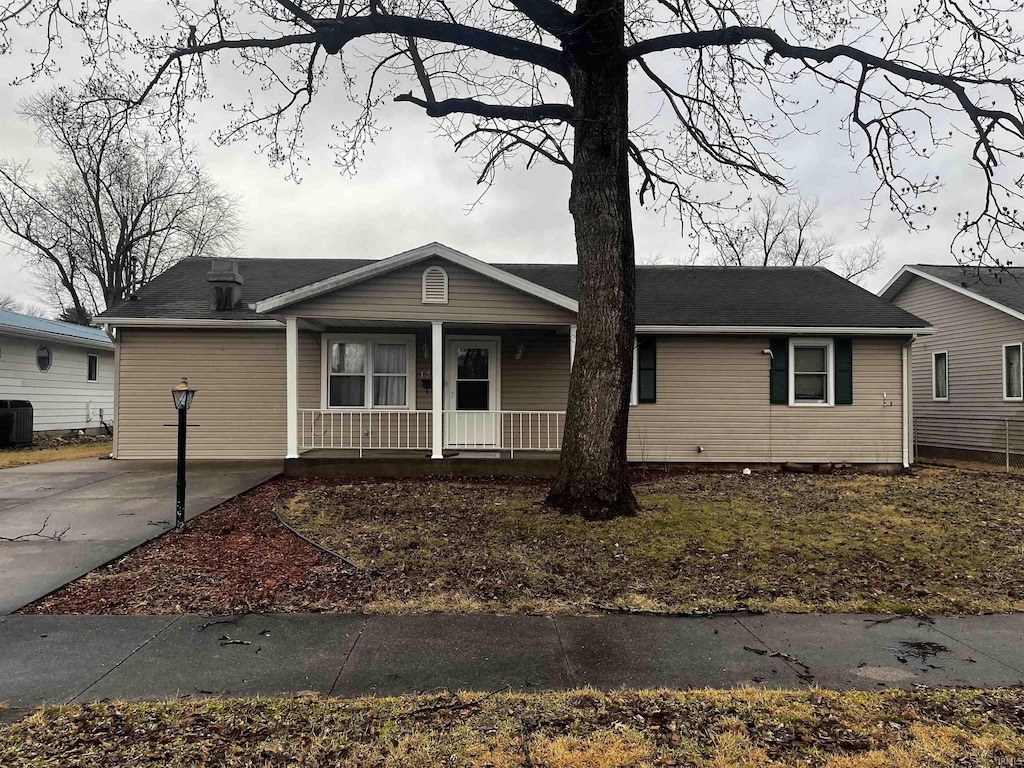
[395, 391]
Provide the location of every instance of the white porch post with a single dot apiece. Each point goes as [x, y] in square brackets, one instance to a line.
[572, 345]
[437, 389]
[291, 334]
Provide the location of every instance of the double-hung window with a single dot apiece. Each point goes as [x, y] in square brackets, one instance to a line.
[369, 371]
[940, 376]
[1013, 372]
[811, 366]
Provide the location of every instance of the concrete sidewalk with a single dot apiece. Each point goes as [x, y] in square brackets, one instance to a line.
[57, 659]
[108, 507]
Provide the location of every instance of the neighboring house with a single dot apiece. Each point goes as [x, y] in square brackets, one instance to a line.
[968, 376]
[66, 371]
[435, 352]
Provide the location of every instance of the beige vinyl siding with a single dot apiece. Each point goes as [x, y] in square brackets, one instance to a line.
[713, 392]
[973, 334]
[539, 380]
[240, 404]
[398, 295]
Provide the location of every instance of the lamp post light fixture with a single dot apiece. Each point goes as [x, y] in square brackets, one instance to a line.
[182, 396]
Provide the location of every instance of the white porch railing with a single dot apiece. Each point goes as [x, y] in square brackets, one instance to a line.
[364, 430]
[504, 430]
[403, 429]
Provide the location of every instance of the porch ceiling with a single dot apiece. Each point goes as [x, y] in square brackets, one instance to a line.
[335, 324]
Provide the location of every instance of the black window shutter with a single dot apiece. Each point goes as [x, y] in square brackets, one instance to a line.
[779, 374]
[844, 371]
[647, 369]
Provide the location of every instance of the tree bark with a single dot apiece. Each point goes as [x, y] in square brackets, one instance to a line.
[593, 475]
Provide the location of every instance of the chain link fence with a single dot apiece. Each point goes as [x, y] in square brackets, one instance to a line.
[990, 440]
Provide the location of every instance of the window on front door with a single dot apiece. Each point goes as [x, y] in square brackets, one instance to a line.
[472, 379]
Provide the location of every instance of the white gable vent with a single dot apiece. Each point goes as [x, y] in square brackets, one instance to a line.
[435, 286]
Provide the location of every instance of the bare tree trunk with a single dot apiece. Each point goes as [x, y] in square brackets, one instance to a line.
[593, 476]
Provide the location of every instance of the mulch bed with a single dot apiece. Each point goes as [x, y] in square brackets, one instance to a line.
[234, 558]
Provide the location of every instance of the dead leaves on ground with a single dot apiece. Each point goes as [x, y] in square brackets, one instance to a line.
[582, 729]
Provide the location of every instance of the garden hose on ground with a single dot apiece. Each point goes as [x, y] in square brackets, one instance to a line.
[321, 547]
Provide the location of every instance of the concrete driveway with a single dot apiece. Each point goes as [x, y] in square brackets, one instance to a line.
[109, 507]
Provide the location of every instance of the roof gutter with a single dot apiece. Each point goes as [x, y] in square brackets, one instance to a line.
[168, 322]
[791, 330]
[75, 341]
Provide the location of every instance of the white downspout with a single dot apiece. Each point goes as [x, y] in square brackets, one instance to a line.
[908, 408]
[572, 345]
[436, 390]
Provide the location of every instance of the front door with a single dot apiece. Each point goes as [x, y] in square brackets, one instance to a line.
[471, 393]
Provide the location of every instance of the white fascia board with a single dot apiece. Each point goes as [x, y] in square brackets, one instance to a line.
[895, 279]
[405, 259]
[168, 322]
[73, 341]
[788, 330]
[956, 289]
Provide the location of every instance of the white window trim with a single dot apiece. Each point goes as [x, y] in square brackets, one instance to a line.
[634, 388]
[946, 398]
[326, 339]
[1019, 346]
[88, 366]
[449, 364]
[830, 372]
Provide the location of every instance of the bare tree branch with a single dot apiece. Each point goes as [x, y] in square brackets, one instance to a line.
[534, 113]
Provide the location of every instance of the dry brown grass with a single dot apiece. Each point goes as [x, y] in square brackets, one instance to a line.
[940, 540]
[583, 729]
[21, 457]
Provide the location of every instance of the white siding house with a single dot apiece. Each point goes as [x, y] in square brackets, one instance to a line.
[66, 371]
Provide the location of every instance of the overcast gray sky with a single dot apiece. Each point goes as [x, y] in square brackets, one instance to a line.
[413, 189]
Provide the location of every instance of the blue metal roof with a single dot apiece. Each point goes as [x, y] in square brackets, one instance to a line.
[75, 333]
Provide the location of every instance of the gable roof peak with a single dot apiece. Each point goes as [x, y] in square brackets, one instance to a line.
[981, 284]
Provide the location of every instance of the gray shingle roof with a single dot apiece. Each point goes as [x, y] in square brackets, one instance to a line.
[183, 293]
[1002, 285]
[740, 296]
[15, 321]
[666, 295]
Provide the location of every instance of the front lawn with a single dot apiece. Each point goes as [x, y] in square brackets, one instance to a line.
[936, 541]
[582, 729]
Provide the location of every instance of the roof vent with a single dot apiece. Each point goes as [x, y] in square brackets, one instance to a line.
[435, 286]
[225, 285]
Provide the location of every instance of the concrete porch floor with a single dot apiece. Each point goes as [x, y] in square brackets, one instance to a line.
[417, 463]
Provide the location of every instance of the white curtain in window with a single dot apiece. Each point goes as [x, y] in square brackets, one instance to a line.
[1013, 372]
[389, 374]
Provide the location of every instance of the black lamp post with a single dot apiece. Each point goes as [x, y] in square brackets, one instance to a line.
[182, 401]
